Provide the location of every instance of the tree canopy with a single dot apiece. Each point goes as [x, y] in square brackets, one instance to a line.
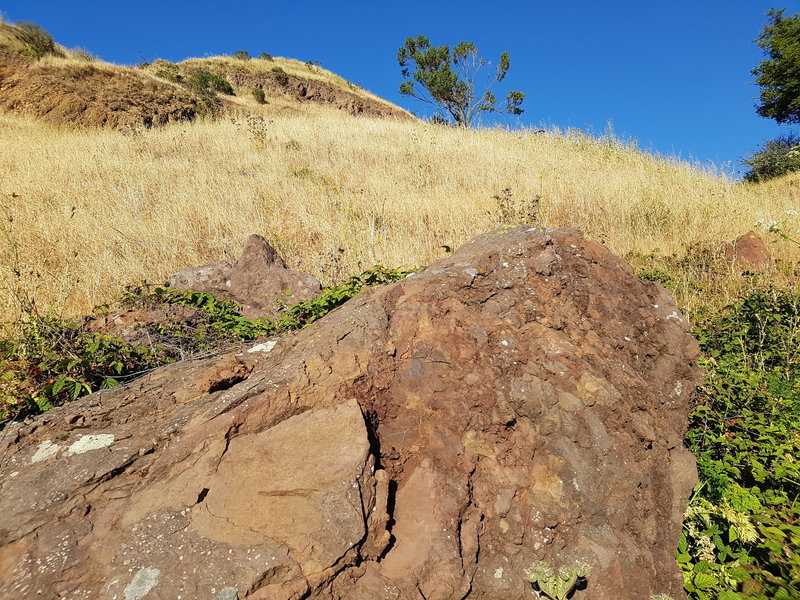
[779, 74]
[454, 80]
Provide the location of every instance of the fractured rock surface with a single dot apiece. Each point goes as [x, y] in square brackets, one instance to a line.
[524, 399]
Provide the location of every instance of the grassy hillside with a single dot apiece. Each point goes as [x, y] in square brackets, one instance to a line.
[86, 211]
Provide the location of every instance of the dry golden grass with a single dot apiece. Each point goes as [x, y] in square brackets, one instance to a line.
[88, 211]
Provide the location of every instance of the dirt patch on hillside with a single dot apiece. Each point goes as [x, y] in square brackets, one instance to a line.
[85, 94]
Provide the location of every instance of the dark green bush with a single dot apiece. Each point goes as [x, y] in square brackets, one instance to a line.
[241, 55]
[777, 157]
[259, 95]
[169, 76]
[209, 83]
[51, 361]
[266, 56]
[281, 76]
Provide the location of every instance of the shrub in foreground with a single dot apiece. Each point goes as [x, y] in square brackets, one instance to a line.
[741, 536]
[51, 361]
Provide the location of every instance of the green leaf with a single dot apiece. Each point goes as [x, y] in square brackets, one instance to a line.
[705, 581]
[58, 384]
[109, 383]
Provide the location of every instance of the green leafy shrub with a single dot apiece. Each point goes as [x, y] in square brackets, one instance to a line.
[169, 76]
[51, 361]
[209, 84]
[308, 311]
[266, 56]
[741, 536]
[281, 76]
[259, 95]
[241, 55]
[777, 157]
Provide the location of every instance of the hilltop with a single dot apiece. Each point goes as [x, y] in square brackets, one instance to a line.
[41, 79]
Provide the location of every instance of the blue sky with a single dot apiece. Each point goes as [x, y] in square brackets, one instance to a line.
[673, 75]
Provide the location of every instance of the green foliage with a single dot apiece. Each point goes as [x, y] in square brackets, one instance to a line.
[777, 157]
[448, 78]
[557, 586]
[208, 84]
[779, 74]
[241, 55]
[281, 76]
[266, 56]
[37, 43]
[51, 361]
[308, 311]
[741, 536]
[259, 95]
[219, 324]
[169, 76]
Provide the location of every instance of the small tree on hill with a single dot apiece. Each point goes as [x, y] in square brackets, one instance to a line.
[453, 81]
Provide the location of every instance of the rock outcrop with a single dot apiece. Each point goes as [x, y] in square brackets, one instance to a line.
[524, 399]
[749, 252]
[256, 281]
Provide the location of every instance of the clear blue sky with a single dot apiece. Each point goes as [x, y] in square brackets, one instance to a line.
[674, 75]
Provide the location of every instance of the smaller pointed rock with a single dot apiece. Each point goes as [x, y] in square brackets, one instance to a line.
[750, 252]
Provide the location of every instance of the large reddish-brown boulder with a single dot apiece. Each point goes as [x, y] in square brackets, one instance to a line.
[260, 281]
[524, 399]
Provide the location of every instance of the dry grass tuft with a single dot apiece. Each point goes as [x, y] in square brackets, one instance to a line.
[88, 211]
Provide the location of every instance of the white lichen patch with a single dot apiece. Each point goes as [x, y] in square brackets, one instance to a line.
[141, 584]
[498, 573]
[675, 316]
[90, 442]
[264, 347]
[46, 449]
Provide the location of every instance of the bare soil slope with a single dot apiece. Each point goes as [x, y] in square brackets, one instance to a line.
[89, 94]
